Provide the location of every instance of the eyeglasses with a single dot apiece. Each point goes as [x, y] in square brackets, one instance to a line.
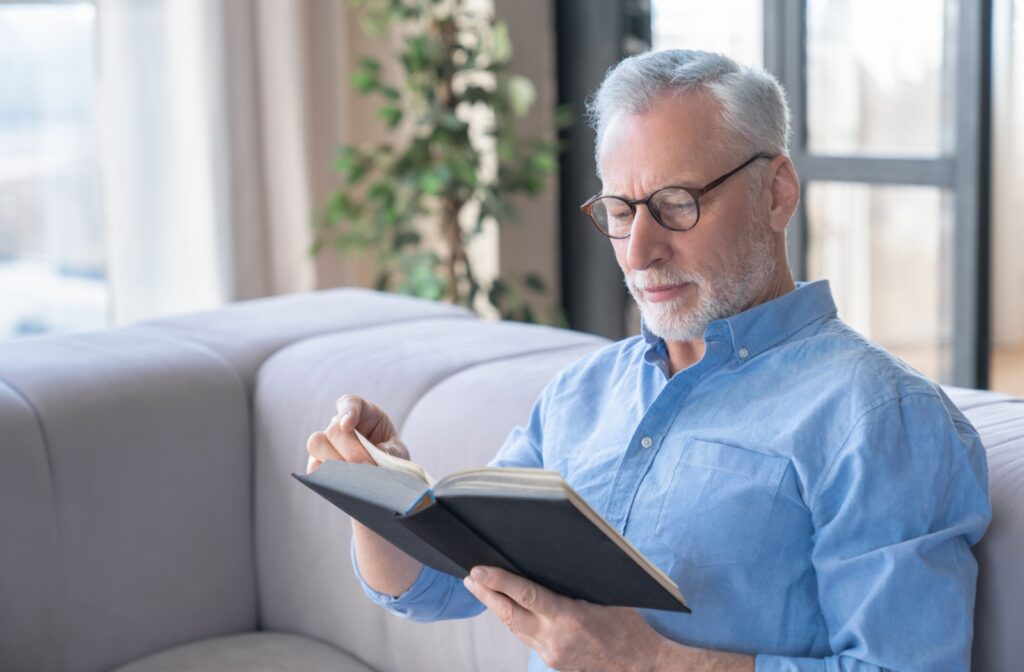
[675, 208]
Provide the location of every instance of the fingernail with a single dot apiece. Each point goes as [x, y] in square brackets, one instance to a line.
[469, 583]
[343, 419]
[478, 573]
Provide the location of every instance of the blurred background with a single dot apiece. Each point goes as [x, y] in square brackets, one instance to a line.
[168, 156]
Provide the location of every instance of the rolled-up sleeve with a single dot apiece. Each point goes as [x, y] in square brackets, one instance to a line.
[895, 514]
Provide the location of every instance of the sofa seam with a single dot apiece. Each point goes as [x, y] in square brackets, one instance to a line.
[469, 367]
[47, 454]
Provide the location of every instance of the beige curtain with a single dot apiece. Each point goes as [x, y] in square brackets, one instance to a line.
[219, 119]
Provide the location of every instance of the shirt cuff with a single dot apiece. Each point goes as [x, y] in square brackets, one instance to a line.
[412, 601]
[765, 663]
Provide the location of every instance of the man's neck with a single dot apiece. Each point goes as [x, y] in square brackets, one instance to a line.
[684, 354]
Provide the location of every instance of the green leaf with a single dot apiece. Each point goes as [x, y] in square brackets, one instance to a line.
[404, 238]
[535, 282]
[501, 49]
[563, 117]
[347, 157]
[450, 122]
[390, 114]
[542, 161]
[521, 94]
[476, 94]
[415, 55]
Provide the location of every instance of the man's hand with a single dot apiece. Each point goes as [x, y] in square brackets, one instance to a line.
[383, 566]
[571, 635]
[337, 442]
[567, 634]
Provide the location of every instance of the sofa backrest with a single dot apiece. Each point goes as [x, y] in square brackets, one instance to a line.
[999, 610]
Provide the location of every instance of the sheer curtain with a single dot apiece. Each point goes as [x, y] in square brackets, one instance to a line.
[218, 120]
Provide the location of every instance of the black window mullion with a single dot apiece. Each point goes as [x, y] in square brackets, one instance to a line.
[971, 209]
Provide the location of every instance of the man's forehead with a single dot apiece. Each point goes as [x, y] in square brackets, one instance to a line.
[675, 140]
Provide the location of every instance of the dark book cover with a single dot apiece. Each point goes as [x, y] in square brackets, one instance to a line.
[542, 536]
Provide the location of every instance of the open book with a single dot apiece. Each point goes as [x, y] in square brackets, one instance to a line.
[528, 521]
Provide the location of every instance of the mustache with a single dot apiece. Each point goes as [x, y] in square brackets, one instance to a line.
[659, 277]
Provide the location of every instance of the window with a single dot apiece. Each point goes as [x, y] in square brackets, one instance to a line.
[890, 141]
[732, 27]
[51, 243]
[875, 89]
[1007, 279]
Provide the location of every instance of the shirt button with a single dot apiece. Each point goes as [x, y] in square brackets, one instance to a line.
[646, 442]
[743, 353]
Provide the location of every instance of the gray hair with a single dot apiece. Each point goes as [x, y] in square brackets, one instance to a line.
[752, 103]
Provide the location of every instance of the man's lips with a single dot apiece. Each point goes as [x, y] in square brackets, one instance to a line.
[657, 293]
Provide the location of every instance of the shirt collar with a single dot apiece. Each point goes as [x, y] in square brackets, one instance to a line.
[762, 327]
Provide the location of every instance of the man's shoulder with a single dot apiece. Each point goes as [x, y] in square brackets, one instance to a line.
[861, 371]
[851, 380]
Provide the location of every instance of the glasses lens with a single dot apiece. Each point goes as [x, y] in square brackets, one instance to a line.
[613, 215]
[675, 208]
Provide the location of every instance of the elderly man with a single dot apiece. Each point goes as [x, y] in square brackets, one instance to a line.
[814, 497]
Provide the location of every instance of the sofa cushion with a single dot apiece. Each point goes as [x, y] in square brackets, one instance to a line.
[148, 481]
[250, 652]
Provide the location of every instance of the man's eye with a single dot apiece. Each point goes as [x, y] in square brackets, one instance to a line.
[619, 212]
[678, 206]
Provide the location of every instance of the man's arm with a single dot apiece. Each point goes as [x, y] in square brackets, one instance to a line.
[895, 515]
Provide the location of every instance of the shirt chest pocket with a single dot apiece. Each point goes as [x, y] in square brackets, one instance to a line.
[718, 503]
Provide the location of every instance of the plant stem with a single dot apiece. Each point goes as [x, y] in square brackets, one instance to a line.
[451, 203]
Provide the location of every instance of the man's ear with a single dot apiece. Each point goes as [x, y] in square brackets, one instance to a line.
[782, 188]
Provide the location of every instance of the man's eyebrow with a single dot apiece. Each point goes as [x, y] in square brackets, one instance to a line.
[684, 185]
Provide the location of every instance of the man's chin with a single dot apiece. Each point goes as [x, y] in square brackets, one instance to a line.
[672, 325]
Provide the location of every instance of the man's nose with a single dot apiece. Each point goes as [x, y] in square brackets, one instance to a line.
[649, 242]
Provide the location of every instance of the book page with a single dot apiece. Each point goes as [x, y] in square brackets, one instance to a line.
[389, 461]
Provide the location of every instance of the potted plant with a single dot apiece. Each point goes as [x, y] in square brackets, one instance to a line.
[452, 162]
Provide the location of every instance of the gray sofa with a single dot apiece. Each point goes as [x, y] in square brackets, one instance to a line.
[148, 520]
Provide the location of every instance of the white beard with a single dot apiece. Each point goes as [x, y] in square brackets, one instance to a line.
[719, 296]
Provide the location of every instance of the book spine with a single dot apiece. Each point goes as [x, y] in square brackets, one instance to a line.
[449, 536]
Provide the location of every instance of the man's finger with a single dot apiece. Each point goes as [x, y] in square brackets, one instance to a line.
[319, 447]
[526, 593]
[350, 408]
[346, 443]
[521, 622]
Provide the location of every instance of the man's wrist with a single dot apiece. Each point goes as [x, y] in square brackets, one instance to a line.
[675, 657]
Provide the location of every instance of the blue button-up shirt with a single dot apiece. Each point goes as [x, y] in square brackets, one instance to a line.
[814, 498]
